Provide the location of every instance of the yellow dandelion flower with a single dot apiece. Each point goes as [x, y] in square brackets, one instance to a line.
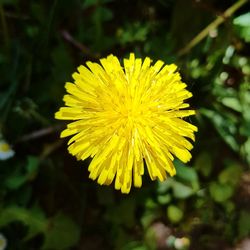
[126, 117]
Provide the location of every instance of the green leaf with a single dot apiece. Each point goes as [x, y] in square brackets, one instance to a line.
[245, 149]
[164, 199]
[243, 224]
[174, 214]
[242, 24]
[186, 173]
[33, 218]
[150, 204]
[14, 182]
[40, 225]
[133, 32]
[220, 192]
[150, 238]
[225, 126]
[245, 129]
[62, 233]
[231, 175]
[164, 186]
[181, 191]
[243, 20]
[148, 217]
[232, 102]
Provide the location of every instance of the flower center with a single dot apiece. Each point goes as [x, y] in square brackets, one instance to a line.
[4, 147]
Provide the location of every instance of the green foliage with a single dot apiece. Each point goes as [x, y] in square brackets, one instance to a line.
[131, 33]
[61, 234]
[47, 201]
[174, 213]
[17, 179]
[243, 225]
[242, 24]
[58, 227]
[33, 218]
[220, 192]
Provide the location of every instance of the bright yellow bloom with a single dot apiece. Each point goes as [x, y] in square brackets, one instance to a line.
[126, 116]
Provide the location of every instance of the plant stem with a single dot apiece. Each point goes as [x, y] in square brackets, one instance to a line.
[219, 20]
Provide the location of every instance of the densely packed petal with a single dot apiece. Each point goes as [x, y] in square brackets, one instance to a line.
[128, 117]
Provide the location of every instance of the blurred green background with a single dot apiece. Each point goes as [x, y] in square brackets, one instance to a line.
[47, 201]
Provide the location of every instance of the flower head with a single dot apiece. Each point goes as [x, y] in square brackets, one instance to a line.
[127, 117]
[5, 150]
[182, 243]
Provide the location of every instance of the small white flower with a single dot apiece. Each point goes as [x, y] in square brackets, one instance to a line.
[181, 243]
[6, 151]
[3, 242]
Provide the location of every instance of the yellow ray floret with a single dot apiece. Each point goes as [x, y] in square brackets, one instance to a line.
[128, 117]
